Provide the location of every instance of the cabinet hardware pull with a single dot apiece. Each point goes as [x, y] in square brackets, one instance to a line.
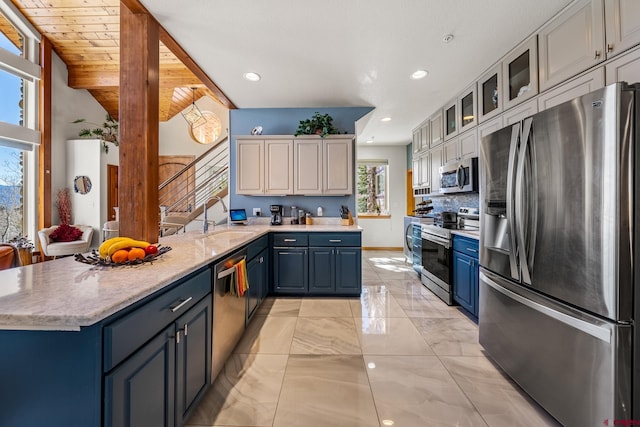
[609, 47]
[290, 240]
[597, 55]
[472, 250]
[335, 240]
[186, 329]
[178, 337]
[261, 259]
[180, 305]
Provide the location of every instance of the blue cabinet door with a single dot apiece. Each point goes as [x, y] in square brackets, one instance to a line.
[193, 357]
[290, 270]
[257, 275]
[348, 270]
[321, 270]
[141, 391]
[463, 271]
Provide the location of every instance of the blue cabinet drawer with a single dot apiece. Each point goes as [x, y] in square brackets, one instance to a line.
[465, 245]
[290, 239]
[335, 239]
[257, 246]
[125, 335]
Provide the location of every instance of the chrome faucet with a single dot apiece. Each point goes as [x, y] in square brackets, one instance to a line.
[205, 227]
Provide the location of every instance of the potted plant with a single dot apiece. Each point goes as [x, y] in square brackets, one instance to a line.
[24, 247]
[108, 132]
[318, 124]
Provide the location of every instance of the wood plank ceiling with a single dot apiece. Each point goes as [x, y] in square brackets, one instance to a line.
[86, 36]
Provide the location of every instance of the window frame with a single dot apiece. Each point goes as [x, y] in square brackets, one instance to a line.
[383, 213]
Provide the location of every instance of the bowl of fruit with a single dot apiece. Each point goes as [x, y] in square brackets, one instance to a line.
[119, 251]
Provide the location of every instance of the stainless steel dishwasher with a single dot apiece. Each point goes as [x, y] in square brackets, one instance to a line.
[228, 312]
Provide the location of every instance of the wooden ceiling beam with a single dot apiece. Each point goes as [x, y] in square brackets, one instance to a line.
[98, 78]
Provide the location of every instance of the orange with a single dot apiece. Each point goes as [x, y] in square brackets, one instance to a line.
[136, 253]
[120, 256]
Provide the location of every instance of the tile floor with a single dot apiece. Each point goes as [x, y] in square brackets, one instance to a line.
[395, 356]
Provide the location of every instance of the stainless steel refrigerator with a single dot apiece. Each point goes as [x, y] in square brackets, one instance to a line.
[558, 291]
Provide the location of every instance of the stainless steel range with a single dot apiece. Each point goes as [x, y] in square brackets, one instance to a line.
[437, 250]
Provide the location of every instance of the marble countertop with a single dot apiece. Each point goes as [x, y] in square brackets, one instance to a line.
[474, 234]
[66, 295]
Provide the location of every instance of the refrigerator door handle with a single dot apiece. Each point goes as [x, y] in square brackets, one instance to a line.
[511, 214]
[521, 210]
[603, 334]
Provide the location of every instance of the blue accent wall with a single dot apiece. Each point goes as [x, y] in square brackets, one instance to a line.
[284, 121]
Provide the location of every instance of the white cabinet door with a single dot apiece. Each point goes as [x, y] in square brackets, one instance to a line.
[518, 113]
[249, 167]
[489, 127]
[307, 160]
[450, 117]
[424, 136]
[278, 166]
[625, 68]
[571, 43]
[338, 165]
[416, 178]
[416, 143]
[468, 108]
[469, 144]
[435, 124]
[520, 73]
[622, 25]
[490, 94]
[451, 151]
[572, 89]
[425, 167]
[436, 162]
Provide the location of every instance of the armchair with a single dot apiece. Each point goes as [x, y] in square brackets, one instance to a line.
[55, 249]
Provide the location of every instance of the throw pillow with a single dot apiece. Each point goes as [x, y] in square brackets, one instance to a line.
[66, 233]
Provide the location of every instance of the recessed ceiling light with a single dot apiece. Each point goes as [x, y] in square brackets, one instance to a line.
[369, 141]
[447, 38]
[388, 422]
[371, 365]
[385, 119]
[419, 74]
[252, 77]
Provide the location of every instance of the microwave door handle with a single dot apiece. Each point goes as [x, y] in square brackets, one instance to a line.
[460, 176]
[522, 197]
[510, 214]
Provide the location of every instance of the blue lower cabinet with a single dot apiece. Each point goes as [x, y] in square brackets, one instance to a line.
[290, 275]
[322, 269]
[466, 270]
[257, 274]
[348, 271]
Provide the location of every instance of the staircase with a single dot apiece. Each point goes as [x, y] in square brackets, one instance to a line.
[182, 197]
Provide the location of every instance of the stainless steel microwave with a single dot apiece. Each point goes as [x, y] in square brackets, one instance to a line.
[459, 177]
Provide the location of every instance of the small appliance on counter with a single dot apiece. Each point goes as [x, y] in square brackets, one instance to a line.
[469, 219]
[276, 214]
[446, 219]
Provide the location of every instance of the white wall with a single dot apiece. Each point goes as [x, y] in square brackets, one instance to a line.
[387, 232]
[174, 134]
[67, 105]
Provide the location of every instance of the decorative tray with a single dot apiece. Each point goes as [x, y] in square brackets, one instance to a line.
[94, 258]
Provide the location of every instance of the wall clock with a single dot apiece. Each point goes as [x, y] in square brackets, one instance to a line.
[209, 131]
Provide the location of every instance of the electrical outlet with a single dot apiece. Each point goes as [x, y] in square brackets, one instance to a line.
[256, 212]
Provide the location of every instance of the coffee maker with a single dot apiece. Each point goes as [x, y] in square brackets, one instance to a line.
[276, 214]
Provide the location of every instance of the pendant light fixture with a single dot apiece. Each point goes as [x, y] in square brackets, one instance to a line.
[193, 115]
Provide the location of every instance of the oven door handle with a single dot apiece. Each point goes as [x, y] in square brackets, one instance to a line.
[439, 240]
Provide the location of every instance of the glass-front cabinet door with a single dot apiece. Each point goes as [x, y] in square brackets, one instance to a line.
[490, 94]
[467, 109]
[450, 120]
[520, 71]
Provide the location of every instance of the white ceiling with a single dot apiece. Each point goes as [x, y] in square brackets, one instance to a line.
[341, 53]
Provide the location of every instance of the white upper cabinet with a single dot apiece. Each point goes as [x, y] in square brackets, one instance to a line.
[520, 73]
[435, 123]
[436, 161]
[625, 68]
[490, 94]
[572, 89]
[425, 168]
[338, 166]
[622, 24]
[416, 143]
[450, 119]
[424, 135]
[278, 166]
[571, 42]
[416, 178]
[307, 160]
[489, 127]
[468, 108]
[520, 112]
[250, 166]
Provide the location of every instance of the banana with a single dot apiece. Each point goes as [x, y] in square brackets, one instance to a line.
[126, 243]
[103, 250]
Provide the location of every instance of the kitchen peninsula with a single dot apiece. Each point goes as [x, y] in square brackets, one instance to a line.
[68, 329]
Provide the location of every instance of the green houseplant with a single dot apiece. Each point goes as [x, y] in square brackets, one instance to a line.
[318, 124]
[107, 132]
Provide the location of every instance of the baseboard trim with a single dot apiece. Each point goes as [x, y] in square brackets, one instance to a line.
[382, 248]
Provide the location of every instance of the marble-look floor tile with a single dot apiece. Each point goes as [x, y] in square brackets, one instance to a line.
[376, 301]
[450, 337]
[268, 334]
[390, 336]
[244, 394]
[419, 306]
[325, 335]
[418, 391]
[325, 307]
[500, 401]
[326, 391]
[280, 307]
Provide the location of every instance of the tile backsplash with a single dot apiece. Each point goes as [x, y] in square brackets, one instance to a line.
[452, 202]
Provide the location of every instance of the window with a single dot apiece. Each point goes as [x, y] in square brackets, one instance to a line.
[373, 184]
[19, 74]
